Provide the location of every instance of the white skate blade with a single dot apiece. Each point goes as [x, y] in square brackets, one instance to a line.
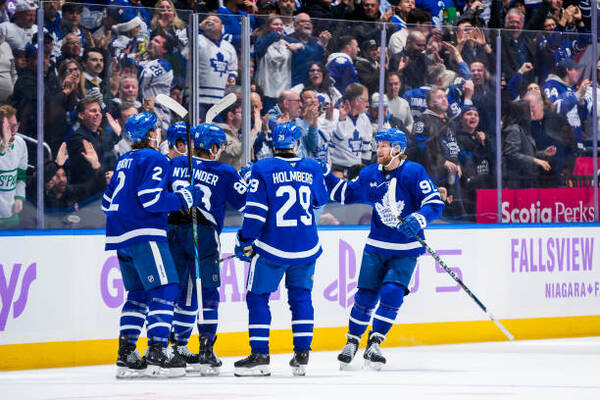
[208, 370]
[156, 372]
[259, 370]
[127, 373]
[372, 365]
[193, 368]
[174, 372]
[345, 366]
[299, 370]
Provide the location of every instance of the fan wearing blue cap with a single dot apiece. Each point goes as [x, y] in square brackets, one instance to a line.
[220, 184]
[393, 186]
[279, 237]
[137, 203]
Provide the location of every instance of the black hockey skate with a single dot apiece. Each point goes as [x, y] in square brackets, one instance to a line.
[192, 360]
[348, 352]
[299, 362]
[253, 365]
[208, 360]
[374, 359]
[129, 363]
[164, 363]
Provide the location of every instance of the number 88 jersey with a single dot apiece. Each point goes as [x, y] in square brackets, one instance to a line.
[279, 212]
[220, 184]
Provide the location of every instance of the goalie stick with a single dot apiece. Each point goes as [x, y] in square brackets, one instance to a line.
[391, 193]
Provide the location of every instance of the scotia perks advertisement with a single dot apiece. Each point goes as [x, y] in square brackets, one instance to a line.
[66, 287]
[537, 205]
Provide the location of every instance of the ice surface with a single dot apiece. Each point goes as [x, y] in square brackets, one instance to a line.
[534, 369]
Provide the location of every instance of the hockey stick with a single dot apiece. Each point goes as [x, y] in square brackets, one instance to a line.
[178, 109]
[220, 106]
[225, 259]
[391, 193]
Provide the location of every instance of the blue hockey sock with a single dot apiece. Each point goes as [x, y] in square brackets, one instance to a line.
[184, 316]
[133, 315]
[303, 315]
[210, 313]
[160, 313]
[259, 321]
[360, 315]
[392, 296]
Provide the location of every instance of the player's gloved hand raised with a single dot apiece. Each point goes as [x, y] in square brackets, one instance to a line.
[246, 170]
[189, 197]
[243, 248]
[412, 224]
[325, 167]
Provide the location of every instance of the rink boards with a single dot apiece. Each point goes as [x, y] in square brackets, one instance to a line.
[61, 292]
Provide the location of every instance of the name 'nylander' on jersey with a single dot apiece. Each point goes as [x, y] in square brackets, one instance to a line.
[282, 193]
[136, 201]
[415, 192]
[220, 184]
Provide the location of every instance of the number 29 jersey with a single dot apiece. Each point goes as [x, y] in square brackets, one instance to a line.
[282, 194]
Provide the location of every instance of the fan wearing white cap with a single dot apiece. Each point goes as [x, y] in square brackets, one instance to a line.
[20, 32]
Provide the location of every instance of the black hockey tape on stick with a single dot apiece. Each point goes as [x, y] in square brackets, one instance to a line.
[391, 193]
[224, 259]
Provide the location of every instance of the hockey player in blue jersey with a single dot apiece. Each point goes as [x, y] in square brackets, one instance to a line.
[177, 140]
[279, 236]
[391, 251]
[136, 203]
[220, 184]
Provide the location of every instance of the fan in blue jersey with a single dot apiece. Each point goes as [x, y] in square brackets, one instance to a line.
[391, 251]
[137, 204]
[220, 184]
[279, 236]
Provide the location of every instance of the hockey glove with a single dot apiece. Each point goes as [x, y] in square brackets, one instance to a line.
[189, 197]
[246, 170]
[243, 248]
[412, 225]
[325, 167]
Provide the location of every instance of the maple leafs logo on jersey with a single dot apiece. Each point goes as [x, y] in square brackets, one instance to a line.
[219, 64]
[355, 142]
[385, 212]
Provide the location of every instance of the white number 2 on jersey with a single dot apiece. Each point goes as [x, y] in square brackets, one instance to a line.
[304, 199]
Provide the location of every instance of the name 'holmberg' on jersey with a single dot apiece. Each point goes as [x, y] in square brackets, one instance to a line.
[292, 176]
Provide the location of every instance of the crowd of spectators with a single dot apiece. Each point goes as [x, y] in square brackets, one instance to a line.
[314, 62]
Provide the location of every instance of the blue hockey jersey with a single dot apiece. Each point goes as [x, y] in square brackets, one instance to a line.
[341, 69]
[136, 201]
[220, 184]
[416, 99]
[282, 193]
[415, 192]
[566, 103]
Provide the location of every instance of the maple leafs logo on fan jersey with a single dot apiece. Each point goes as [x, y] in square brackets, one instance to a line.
[385, 212]
[219, 64]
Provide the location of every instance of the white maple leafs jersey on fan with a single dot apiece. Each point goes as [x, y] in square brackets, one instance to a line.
[218, 61]
[220, 184]
[415, 192]
[282, 193]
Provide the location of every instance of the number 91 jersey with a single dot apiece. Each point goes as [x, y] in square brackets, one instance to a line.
[282, 194]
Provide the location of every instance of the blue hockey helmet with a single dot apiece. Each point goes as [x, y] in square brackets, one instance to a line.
[395, 136]
[138, 125]
[176, 132]
[285, 135]
[205, 135]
